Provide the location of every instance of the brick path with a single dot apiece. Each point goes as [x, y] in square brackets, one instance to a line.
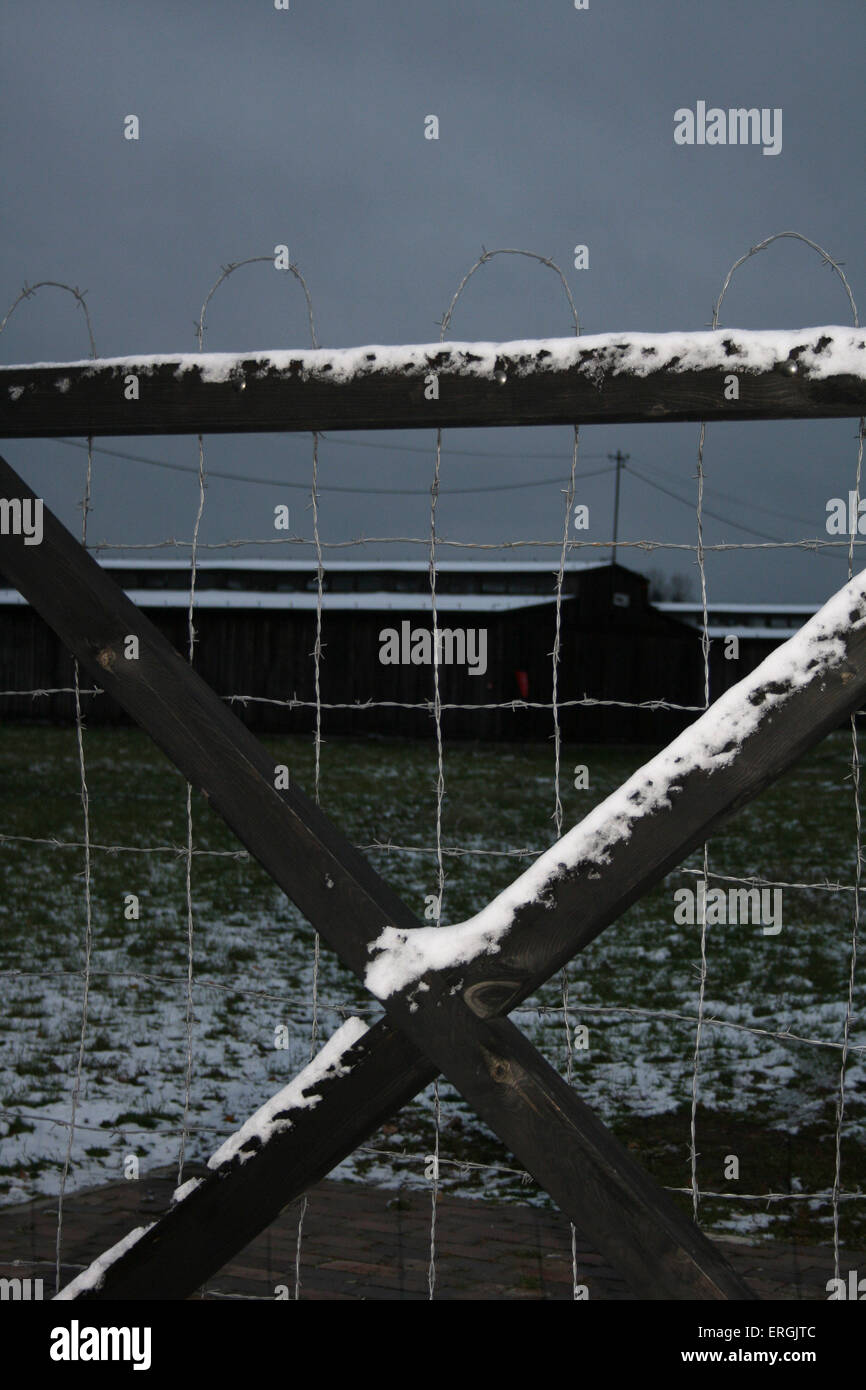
[368, 1243]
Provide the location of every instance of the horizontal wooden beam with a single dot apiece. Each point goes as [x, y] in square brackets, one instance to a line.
[612, 378]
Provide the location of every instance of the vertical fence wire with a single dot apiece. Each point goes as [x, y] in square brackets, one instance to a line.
[557, 810]
[27, 292]
[226, 271]
[855, 925]
[189, 1021]
[836, 268]
[88, 903]
[190, 920]
[702, 970]
[440, 862]
[317, 743]
[437, 710]
[317, 747]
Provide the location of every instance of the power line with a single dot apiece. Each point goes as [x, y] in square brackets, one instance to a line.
[728, 521]
[463, 453]
[728, 497]
[688, 502]
[458, 491]
[653, 468]
[305, 487]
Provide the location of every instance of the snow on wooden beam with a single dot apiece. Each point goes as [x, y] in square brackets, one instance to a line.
[536, 1114]
[561, 903]
[485, 966]
[747, 738]
[723, 374]
[256, 1175]
[620, 1209]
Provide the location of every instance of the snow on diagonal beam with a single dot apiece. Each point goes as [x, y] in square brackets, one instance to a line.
[745, 741]
[494, 1067]
[810, 659]
[777, 704]
[612, 377]
[335, 886]
[242, 1195]
[660, 1252]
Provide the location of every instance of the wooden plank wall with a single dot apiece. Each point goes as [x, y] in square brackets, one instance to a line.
[626, 654]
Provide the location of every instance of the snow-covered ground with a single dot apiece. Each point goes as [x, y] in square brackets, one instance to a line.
[635, 989]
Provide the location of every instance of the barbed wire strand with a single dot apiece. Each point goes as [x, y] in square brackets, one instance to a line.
[440, 862]
[88, 913]
[855, 925]
[811, 543]
[828, 260]
[702, 972]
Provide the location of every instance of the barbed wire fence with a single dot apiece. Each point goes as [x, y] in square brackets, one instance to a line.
[190, 984]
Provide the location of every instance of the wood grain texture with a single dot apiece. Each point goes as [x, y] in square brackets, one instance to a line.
[233, 1204]
[40, 401]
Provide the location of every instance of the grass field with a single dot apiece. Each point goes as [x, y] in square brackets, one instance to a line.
[770, 1101]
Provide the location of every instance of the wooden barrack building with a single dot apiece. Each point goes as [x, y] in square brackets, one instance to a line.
[256, 623]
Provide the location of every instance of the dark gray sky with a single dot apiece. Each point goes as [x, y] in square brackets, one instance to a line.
[306, 127]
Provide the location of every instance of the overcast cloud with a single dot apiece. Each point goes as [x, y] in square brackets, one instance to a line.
[306, 127]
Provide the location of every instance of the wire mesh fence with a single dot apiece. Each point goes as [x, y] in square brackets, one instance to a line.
[214, 1046]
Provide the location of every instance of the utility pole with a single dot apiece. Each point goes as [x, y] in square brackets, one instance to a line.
[620, 459]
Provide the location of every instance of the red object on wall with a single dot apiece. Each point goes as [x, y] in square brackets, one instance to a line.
[523, 684]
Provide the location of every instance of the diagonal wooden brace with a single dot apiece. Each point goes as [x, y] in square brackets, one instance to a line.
[540, 1118]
